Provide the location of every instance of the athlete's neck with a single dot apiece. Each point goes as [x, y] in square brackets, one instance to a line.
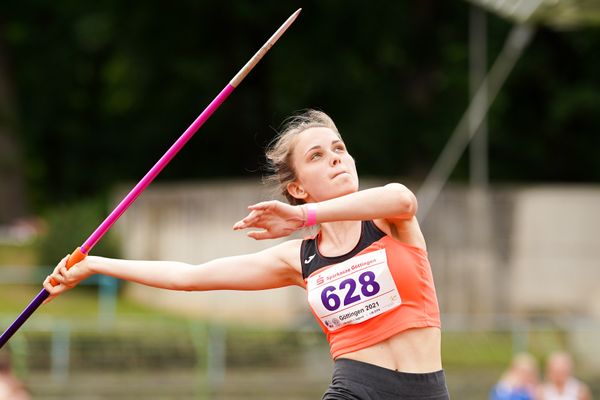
[338, 238]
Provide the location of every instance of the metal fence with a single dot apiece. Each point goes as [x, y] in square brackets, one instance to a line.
[138, 357]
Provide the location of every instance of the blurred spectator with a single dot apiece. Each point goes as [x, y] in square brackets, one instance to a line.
[559, 383]
[10, 387]
[21, 231]
[519, 382]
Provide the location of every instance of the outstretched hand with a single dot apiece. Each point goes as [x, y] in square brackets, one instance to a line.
[276, 219]
[67, 278]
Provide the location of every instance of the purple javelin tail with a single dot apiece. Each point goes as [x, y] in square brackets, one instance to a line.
[25, 314]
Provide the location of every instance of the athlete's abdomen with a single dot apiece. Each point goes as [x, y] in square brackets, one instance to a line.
[414, 350]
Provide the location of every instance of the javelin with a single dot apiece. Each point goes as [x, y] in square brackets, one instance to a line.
[81, 252]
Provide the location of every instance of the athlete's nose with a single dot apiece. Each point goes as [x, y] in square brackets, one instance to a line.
[335, 159]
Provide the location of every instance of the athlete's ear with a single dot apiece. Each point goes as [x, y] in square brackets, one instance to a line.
[296, 190]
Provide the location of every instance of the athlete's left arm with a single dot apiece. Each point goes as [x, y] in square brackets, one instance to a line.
[393, 204]
[393, 207]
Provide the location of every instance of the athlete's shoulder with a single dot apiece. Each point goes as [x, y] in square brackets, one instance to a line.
[288, 251]
[291, 244]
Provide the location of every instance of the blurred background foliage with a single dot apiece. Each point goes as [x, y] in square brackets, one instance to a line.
[100, 90]
[68, 225]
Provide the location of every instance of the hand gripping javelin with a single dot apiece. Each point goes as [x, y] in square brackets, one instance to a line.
[81, 252]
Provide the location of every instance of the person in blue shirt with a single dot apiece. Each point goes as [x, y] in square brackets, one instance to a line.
[519, 382]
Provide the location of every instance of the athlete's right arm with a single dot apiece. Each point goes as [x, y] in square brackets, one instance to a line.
[274, 267]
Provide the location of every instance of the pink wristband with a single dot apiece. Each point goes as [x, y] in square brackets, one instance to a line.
[311, 214]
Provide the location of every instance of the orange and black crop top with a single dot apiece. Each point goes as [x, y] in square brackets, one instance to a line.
[379, 289]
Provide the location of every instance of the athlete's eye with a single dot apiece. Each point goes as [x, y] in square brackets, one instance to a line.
[340, 148]
[316, 155]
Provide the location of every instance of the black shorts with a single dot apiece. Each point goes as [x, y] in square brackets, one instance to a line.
[355, 380]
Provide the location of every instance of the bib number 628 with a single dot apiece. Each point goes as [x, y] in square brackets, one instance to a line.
[368, 287]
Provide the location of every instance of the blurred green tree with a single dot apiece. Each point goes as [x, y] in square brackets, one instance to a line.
[105, 88]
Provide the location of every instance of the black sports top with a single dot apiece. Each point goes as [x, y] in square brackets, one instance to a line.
[312, 260]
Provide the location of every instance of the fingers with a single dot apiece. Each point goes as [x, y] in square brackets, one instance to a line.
[58, 281]
[272, 233]
[61, 263]
[255, 219]
[64, 271]
[261, 235]
[258, 212]
[263, 205]
[251, 220]
[59, 278]
[52, 290]
[47, 285]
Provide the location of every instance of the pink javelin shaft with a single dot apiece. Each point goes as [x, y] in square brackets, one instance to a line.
[183, 139]
[81, 252]
[156, 169]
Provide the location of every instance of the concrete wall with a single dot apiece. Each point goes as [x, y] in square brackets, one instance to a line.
[523, 251]
[508, 251]
[556, 251]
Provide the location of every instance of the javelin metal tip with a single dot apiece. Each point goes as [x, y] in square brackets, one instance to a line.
[295, 15]
[290, 20]
[263, 50]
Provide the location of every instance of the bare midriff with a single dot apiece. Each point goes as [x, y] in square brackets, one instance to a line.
[414, 351]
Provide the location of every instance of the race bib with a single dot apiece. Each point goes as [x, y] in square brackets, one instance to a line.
[353, 291]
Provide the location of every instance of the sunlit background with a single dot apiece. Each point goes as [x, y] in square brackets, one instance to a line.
[487, 110]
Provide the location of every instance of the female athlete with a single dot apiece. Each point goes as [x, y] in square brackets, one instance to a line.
[366, 272]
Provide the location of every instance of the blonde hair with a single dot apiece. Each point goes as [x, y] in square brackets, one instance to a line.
[280, 163]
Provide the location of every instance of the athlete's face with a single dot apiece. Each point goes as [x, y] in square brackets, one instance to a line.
[324, 168]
